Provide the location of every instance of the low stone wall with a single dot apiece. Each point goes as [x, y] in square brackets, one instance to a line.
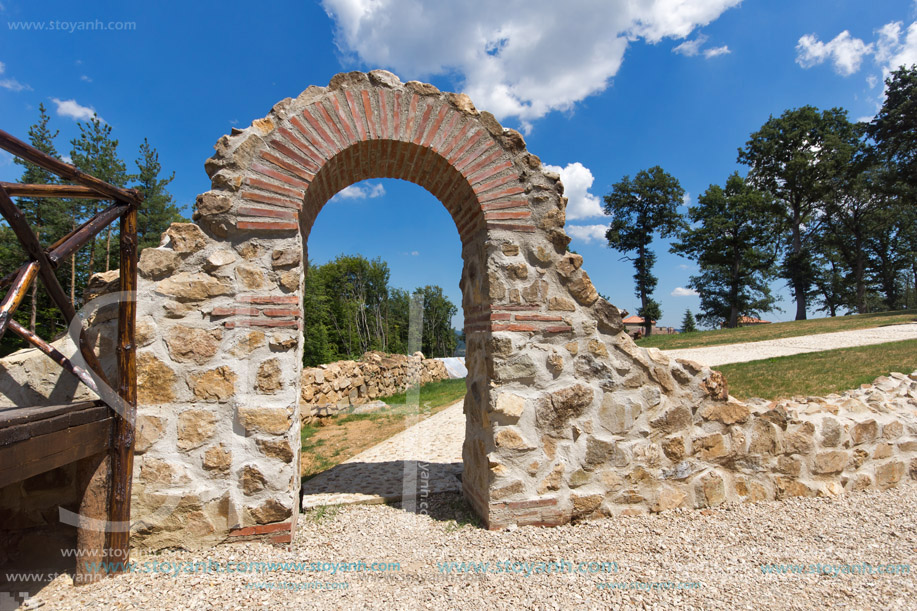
[337, 387]
[727, 450]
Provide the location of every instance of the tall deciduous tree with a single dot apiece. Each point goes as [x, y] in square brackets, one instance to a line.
[640, 209]
[438, 338]
[789, 157]
[732, 242]
[894, 129]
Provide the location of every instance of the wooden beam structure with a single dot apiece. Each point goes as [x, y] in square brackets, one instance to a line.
[98, 436]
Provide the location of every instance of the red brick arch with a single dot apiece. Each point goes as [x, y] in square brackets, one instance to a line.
[349, 136]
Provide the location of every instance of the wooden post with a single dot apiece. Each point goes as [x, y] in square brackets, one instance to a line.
[122, 452]
[94, 483]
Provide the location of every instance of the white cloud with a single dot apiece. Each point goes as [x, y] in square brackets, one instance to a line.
[587, 233]
[67, 159]
[366, 191]
[77, 112]
[85, 79]
[415, 253]
[844, 51]
[691, 47]
[683, 292]
[514, 58]
[892, 51]
[577, 180]
[686, 199]
[11, 83]
[717, 51]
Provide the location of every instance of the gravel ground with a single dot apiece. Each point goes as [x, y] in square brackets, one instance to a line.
[722, 550]
[754, 351]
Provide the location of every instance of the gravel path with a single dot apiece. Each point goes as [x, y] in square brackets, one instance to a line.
[721, 551]
[378, 474]
[754, 351]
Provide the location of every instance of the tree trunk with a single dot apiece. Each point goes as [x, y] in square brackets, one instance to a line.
[73, 268]
[858, 272]
[34, 315]
[108, 250]
[799, 284]
[734, 290]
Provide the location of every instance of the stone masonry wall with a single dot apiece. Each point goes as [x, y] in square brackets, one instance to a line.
[566, 417]
[337, 387]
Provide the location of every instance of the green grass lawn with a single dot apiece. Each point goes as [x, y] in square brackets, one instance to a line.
[778, 330]
[819, 373]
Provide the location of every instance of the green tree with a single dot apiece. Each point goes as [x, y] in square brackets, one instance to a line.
[96, 153]
[317, 347]
[641, 208]
[731, 240]
[157, 211]
[438, 339]
[894, 128]
[48, 219]
[687, 323]
[790, 158]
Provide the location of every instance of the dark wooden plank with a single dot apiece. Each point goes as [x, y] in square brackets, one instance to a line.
[11, 416]
[27, 458]
[43, 160]
[45, 426]
[122, 451]
[68, 191]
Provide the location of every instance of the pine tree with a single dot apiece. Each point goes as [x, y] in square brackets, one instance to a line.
[687, 323]
[96, 153]
[48, 219]
[157, 211]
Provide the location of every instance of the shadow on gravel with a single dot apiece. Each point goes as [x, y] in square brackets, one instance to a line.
[430, 488]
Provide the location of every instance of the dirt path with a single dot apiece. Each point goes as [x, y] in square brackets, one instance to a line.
[754, 351]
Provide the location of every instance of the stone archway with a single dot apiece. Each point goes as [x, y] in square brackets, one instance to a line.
[565, 416]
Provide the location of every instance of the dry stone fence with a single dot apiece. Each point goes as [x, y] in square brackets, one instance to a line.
[566, 418]
[344, 385]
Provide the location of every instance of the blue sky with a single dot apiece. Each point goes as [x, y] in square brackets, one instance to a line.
[601, 89]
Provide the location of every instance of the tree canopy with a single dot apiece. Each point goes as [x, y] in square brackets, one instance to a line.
[639, 209]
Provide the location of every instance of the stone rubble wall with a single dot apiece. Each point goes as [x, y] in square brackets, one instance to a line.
[566, 417]
[661, 456]
[337, 387]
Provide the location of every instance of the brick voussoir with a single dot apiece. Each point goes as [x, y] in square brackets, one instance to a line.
[355, 113]
[267, 213]
[506, 216]
[316, 145]
[267, 226]
[283, 202]
[270, 173]
[338, 104]
[282, 163]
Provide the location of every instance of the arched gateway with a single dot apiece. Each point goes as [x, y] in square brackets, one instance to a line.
[565, 416]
